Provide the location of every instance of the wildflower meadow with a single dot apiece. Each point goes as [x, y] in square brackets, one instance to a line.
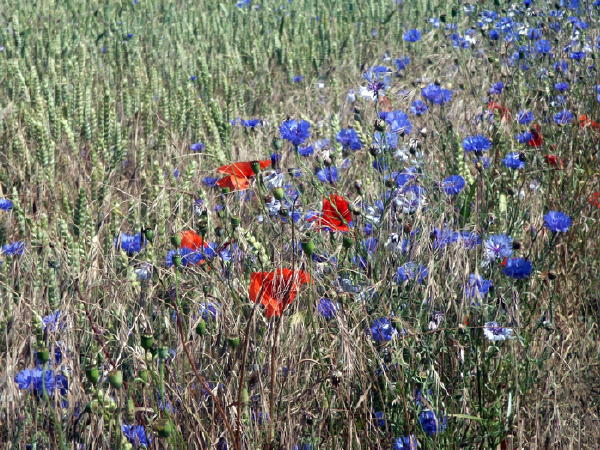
[300, 224]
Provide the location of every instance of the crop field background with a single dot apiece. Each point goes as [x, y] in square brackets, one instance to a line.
[303, 224]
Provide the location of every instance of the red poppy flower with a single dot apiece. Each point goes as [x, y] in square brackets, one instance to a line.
[243, 169]
[536, 136]
[586, 122]
[554, 161]
[234, 183]
[503, 110]
[276, 290]
[192, 240]
[594, 199]
[336, 214]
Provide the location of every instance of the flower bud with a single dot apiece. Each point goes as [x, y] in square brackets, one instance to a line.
[143, 375]
[115, 378]
[308, 247]
[255, 167]
[233, 342]
[347, 242]
[176, 240]
[201, 328]
[163, 352]
[177, 260]
[93, 374]
[147, 341]
[278, 193]
[235, 222]
[149, 234]
[379, 125]
[43, 355]
[164, 428]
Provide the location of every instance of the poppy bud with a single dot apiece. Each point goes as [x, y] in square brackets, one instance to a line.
[255, 167]
[201, 328]
[176, 240]
[284, 212]
[163, 427]
[379, 125]
[308, 247]
[278, 193]
[347, 242]
[93, 374]
[147, 341]
[219, 231]
[43, 355]
[115, 378]
[233, 342]
[143, 375]
[235, 222]
[149, 234]
[177, 260]
[225, 190]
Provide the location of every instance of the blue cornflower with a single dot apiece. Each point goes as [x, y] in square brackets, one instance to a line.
[327, 308]
[5, 204]
[52, 322]
[518, 268]
[379, 419]
[188, 257]
[543, 46]
[401, 63]
[14, 248]
[435, 94]
[496, 88]
[557, 221]
[378, 78]
[130, 243]
[210, 181]
[251, 123]
[525, 137]
[412, 35]
[431, 422]
[494, 332]
[469, 239]
[295, 131]
[477, 143]
[328, 174]
[418, 108]
[563, 117]
[497, 246]
[39, 380]
[197, 147]
[306, 151]
[534, 33]
[577, 56]
[382, 330]
[410, 198]
[561, 66]
[386, 140]
[525, 117]
[443, 237]
[513, 160]
[298, 78]
[562, 86]
[208, 311]
[398, 121]
[411, 271]
[477, 286]
[453, 184]
[406, 443]
[136, 435]
[348, 137]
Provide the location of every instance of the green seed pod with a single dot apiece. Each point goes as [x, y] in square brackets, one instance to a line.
[147, 341]
[279, 193]
[255, 167]
[177, 261]
[235, 222]
[93, 374]
[115, 378]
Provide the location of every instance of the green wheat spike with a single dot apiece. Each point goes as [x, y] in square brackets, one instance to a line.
[19, 213]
